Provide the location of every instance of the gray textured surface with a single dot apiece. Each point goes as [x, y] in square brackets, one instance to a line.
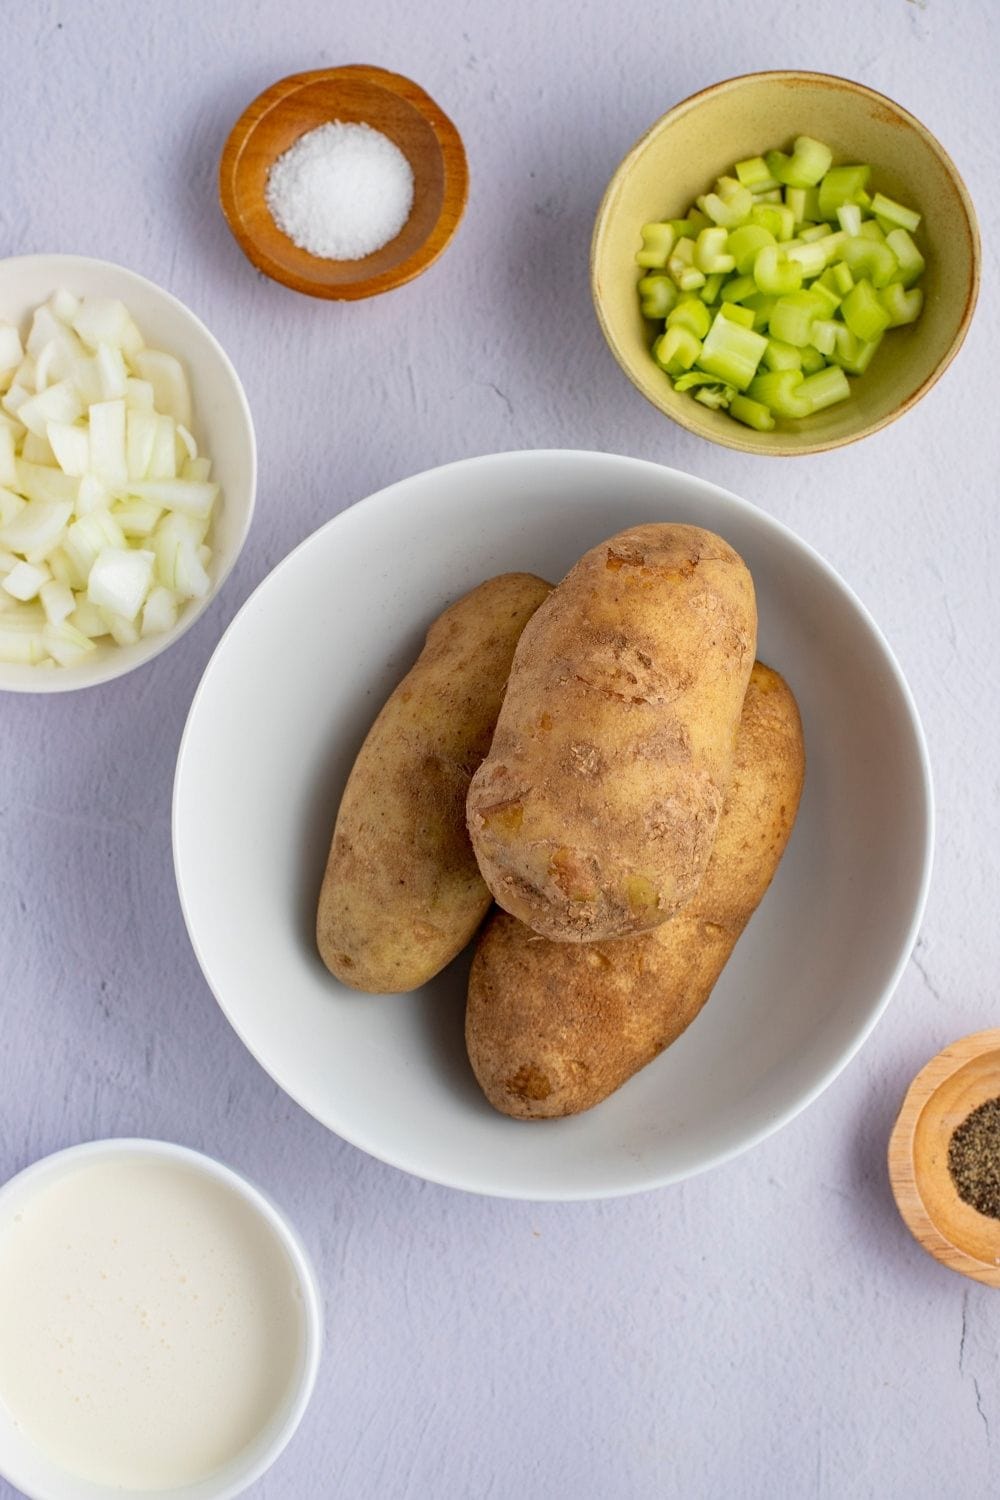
[767, 1330]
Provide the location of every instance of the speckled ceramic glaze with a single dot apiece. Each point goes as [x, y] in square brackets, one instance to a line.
[681, 156]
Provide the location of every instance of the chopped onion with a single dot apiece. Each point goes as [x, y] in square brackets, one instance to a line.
[105, 500]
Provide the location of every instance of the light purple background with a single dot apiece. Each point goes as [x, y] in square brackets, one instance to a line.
[769, 1330]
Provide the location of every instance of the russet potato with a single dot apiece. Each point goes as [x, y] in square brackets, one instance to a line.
[594, 814]
[554, 1028]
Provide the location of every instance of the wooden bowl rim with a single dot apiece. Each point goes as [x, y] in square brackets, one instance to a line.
[453, 156]
[903, 1172]
[740, 440]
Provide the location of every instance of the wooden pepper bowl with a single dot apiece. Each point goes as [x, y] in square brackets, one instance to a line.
[388, 102]
[943, 1094]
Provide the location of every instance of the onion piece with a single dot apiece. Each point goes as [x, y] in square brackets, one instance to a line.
[24, 580]
[190, 497]
[70, 446]
[58, 600]
[170, 387]
[107, 442]
[39, 525]
[120, 579]
[65, 644]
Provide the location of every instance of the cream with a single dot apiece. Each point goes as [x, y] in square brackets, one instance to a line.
[151, 1324]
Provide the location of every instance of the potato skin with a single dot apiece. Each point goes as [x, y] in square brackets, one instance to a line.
[552, 1029]
[402, 893]
[595, 812]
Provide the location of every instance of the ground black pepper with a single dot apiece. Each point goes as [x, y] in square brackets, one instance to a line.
[974, 1159]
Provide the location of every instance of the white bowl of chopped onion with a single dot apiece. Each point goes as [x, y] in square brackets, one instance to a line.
[128, 471]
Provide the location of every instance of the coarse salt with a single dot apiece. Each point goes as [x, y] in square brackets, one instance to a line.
[341, 191]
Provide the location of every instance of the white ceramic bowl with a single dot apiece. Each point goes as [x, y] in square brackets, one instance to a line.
[288, 698]
[223, 428]
[32, 1472]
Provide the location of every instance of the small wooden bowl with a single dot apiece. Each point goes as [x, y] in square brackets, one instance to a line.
[942, 1095]
[388, 102]
[683, 153]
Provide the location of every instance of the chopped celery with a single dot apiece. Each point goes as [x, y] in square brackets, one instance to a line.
[823, 336]
[753, 174]
[728, 212]
[902, 306]
[752, 413]
[867, 258]
[715, 396]
[737, 314]
[658, 294]
[774, 287]
[825, 388]
[779, 356]
[676, 350]
[743, 244]
[710, 251]
[908, 257]
[776, 218]
[778, 389]
[863, 313]
[739, 288]
[792, 318]
[774, 273]
[657, 243]
[692, 314]
[896, 213]
[841, 185]
[731, 352]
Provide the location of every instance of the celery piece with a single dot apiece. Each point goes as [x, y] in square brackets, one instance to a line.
[823, 336]
[743, 244]
[870, 230]
[792, 317]
[902, 306]
[810, 234]
[694, 378]
[849, 218]
[772, 195]
[727, 188]
[842, 278]
[908, 257]
[810, 207]
[884, 224]
[683, 229]
[827, 301]
[867, 258]
[691, 279]
[776, 218]
[825, 388]
[778, 163]
[737, 314]
[809, 160]
[812, 360]
[682, 267]
[717, 397]
[692, 314]
[751, 413]
[728, 212]
[778, 389]
[811, 258]
[896, 213]
[863, 313]
[658, 295]
[657, 243]
[697, 220]
[863, 200]
[774, 273]
[762, 304]
[710, 251]
[795, 198]
[731, 352]
[676, 350]
[779, 356]
[841, 185]
[738, 288]
[832, 244]
[852, 353]
[753, 174]
[713, 286]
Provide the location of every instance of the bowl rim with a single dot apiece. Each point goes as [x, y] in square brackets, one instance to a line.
[387, 496]
[454, 161]
[762, 446]
[56, 1163]
[65, 679]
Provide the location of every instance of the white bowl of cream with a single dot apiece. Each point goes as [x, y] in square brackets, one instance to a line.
[160, 1326]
